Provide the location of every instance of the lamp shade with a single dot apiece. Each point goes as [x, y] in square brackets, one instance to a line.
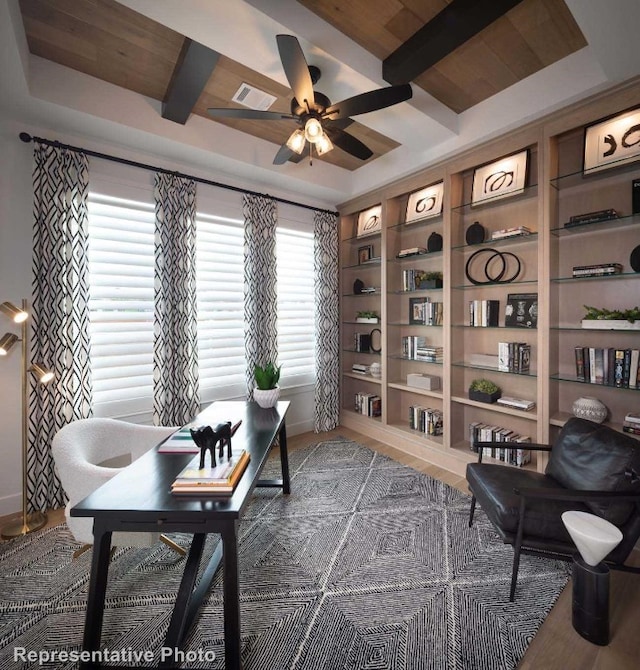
[43, 375]
[296, 141]
[324, 144]
[7, 341]
[313, 130]
[16, 314]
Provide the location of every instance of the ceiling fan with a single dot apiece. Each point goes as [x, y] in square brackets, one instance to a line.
[321, 123]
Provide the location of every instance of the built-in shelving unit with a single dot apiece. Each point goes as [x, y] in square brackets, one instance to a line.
[554, 191]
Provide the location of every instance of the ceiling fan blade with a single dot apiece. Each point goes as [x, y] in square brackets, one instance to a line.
[349, 143]
[296, 68]
[283, 155]
[369, 102]
[237, 113]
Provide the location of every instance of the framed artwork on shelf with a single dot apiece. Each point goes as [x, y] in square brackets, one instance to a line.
[425, 203]
[417, 311]
[369, 221]
[500, 179]
[611, 142]
[365, 253]
[521, 310]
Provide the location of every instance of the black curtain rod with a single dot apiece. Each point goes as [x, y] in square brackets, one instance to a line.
[25, 137]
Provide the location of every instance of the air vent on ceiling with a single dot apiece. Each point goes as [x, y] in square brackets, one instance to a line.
[253, 98]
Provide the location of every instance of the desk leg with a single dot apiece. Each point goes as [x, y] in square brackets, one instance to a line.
[232, 643]
[180, 617]
[97, 590]
[284, 458]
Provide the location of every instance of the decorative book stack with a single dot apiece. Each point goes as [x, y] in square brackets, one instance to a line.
[220, 480]
[631, 423]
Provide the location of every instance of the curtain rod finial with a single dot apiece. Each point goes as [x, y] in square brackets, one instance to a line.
[25, 137]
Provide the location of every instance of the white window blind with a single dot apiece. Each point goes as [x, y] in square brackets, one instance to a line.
[121, 253]
[220, 288]
[296, 319]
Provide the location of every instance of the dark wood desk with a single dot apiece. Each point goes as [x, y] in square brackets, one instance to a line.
[139, 499]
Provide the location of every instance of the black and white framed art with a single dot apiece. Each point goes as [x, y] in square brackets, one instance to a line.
[500, 179]
[611, 142]
[425, 203]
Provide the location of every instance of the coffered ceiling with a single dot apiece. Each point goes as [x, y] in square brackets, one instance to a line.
[476, 69]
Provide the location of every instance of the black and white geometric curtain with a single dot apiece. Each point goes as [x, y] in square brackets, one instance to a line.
[176, 397]
[327, 391]
[260, 283]
[60, 313]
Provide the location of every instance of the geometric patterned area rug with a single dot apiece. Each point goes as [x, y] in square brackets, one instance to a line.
[368, 564]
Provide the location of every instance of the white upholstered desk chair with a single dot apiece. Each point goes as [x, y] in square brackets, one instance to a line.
[88, 453]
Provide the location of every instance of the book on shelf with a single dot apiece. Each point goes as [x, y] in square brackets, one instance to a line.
[514, 357]
[608, 366]
[368, 404]
[631, 428]
[484, 313]
[481, 432]
[599, 270]
[425, 312]
[516, 231]
[633, 417]
[412, 251]
[425, 419]
[218, 480]
[591, 217]
[521, 310]
[360, 368]
[517, 403]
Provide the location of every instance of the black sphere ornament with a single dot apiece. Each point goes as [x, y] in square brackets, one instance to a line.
[434, 243]
[634, 259]
[475, 233]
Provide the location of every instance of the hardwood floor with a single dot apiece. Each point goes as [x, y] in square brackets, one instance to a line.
[556, 646]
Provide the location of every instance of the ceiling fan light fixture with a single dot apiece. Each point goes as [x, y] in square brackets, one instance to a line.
[323, 145]
[297, 141]
[313, 130]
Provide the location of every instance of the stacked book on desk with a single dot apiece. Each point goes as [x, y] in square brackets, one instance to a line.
[208, 481]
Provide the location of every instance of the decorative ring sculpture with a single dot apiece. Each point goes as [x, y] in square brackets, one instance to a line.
[371, 345]
[495, 278]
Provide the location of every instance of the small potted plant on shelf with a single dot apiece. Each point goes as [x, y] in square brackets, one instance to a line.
[483, 390]
[430, 280]
[611, 319]
[267, 391]
[367, 317]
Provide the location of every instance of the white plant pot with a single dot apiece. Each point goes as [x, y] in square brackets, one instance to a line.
[266, 398]
[610, 324]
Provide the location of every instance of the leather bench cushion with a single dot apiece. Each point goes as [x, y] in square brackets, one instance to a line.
[493, 487]
[591, 457]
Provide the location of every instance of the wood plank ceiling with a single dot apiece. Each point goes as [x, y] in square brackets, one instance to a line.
[109, 41]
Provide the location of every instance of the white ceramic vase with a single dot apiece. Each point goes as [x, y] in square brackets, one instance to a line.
[266, 398]
[590, 408]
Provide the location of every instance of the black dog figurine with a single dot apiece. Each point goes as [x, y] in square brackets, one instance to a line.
[207, 438]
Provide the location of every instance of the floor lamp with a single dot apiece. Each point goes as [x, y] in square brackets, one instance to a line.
[36, 520]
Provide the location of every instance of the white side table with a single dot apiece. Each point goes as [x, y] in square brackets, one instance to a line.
[595, 538]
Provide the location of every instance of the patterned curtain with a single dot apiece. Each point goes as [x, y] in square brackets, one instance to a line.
[327, 391]
[60, 314]
[260, 283]
[175, 352]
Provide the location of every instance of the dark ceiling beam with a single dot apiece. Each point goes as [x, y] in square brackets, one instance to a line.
[454, 25]
[190, 75]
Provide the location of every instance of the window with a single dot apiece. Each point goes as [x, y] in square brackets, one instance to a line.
[121, 253]
[220, 287]
[121, 305]
[296, 323]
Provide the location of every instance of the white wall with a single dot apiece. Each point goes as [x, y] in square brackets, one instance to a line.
[15, 284]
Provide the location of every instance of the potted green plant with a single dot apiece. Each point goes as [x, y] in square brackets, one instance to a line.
[367, 316]
[430, 280]
[267, 391]
[483, 390]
